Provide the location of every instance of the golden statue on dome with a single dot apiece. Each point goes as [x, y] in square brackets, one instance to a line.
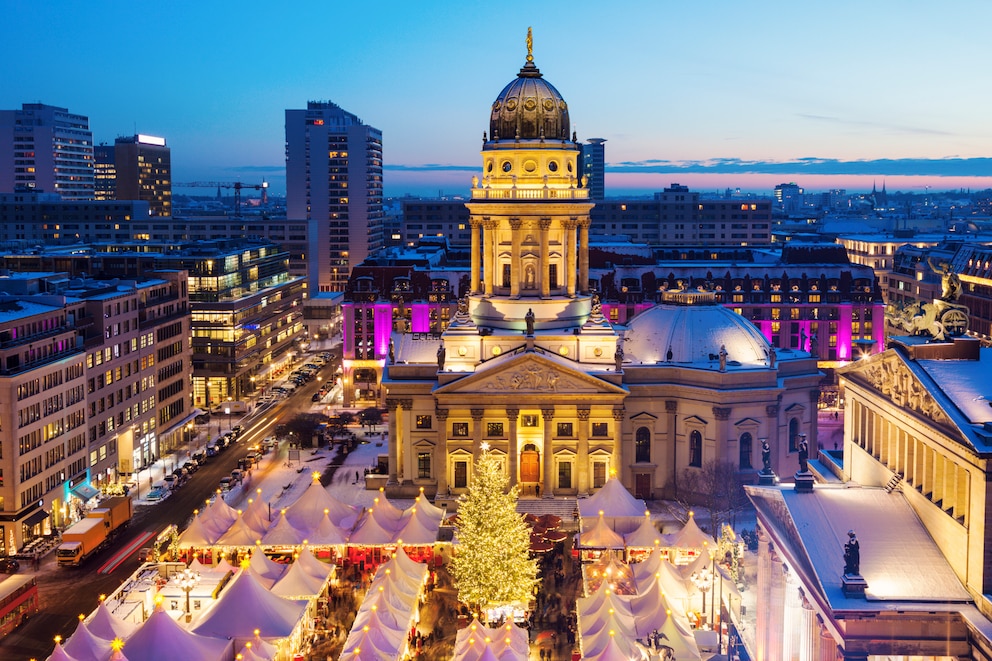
[530, 45]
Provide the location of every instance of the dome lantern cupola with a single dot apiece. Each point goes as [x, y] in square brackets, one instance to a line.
[529, 108]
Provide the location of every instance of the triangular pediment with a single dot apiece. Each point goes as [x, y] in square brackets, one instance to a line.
[889, 374]
[529, 373]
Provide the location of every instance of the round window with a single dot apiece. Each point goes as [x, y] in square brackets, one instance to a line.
[530, 166]
[553, 166]
[489, 166]
[507, 166]
[570, 166]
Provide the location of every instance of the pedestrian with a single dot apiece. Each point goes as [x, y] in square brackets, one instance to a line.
[356, 478]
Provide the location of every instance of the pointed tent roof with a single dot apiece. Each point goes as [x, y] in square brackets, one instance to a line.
[283, 533]
[198, 534]
[218, 515]
[59, 654]
[196, 565]
[297, 583]
[311, 565]
[685, 646]
[327, 534]
[602, 599]
[598, 628]
[425, 506]
[417, 532]
[224, 565]
[367, 644]
[161, 638]
[613, 500]
[613, 651]
[408, 565]
[691, 537]
[249, 654]
[244, 606]
[105, 624]
[239, 534]
[266, 567]
[390, 516]
[84, 645]
[645, 537]
[651, 609]
[394, 624]
[257, 512]
[307, 511]
[510, 642]
[600, 536]
[370, 532]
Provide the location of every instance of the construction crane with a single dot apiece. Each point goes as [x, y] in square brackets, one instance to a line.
[236, 185]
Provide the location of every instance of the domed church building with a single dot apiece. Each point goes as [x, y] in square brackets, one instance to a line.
[531, 367]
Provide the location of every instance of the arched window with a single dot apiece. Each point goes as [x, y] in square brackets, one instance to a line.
[746, 443]
[695, 449]
[642, 445]
[794, 435]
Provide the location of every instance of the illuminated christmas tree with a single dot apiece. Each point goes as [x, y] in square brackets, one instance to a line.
[492, 566]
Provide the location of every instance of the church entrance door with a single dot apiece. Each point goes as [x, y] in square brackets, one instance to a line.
[530, 466]
[642, 485]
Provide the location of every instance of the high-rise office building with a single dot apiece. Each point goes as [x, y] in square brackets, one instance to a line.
[594, 167]
[104, 173]
[46, 148]
[144, 172]
[334, 182]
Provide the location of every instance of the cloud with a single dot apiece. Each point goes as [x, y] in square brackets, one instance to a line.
[888, 128]
[944, 167]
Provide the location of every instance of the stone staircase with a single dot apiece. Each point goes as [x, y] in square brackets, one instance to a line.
[563, 507]
[893, 482]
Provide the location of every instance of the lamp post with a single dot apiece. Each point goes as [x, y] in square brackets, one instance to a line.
[187, 580]
[700, 580]
[227, 410]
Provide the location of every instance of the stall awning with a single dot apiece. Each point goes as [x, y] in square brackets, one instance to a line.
[35, 518]
[83, 491]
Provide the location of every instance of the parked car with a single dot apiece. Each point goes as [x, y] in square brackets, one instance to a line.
[171, 482]
[158, 491]
[191, 467]
[238, 430]
[9, 565]
[226, 483]
[316, 397]
[237, 475]
[200, 457]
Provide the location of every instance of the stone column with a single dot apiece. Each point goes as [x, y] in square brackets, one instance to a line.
[476, 225]
[824, 646]
[671, 413]
[440, 458]
[792, 623]
[489, 255]
[512, 452]
[721, 431]
[515, 275]
[404, 451]
[393, 406]
[771, 411]
[771, 592]
[582, 452]
[570, 266]
[477, 415]
[809, 630]
[543, 277]
[549, 455]
[584, 255]
[618, 415]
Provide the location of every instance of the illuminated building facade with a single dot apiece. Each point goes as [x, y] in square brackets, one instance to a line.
[30, 218]
[530, 365]
[46, 148]
[104, 173]
[143, 166]
[334, 183]
[594, 167]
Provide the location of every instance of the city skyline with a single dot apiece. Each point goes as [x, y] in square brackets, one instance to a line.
[744, 97]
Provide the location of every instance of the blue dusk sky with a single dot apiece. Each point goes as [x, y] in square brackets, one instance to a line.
[710, 94]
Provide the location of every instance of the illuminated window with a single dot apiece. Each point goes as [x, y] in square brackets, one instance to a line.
[423, 465]
[494, 429]
[424, 421]
[459, 429]
[776, 313]
[642, 445]
[794, 313]
[745, 450]
[564, 428]
[600, 429]
[695, 449]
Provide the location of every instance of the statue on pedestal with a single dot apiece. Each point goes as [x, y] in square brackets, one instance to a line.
[723, 357]
[441, 354]
[766, 457]
[529, 321]
[803, 454]
[852, 555]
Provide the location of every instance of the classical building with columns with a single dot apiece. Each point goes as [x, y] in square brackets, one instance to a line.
[912, 483]
[530, 366]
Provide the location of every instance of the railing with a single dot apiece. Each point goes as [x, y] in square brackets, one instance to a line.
[530, 194]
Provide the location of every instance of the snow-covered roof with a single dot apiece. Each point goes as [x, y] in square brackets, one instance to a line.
[966, 383]
[894, 544]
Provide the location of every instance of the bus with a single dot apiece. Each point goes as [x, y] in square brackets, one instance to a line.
[18, 601]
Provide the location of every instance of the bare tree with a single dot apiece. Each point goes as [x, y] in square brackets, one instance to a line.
[716, 487]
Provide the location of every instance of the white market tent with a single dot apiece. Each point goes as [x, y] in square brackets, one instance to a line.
[297, 583]
[283, 533]
[691, 537]
[160, 638]
[246, 606]
[477, 642]
[59, 654]
[646, 536]
[599, 535]
[105, 624]
[308, 510]
[615, 502]
[84, 645]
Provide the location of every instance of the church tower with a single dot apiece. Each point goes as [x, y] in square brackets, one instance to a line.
[529, 212]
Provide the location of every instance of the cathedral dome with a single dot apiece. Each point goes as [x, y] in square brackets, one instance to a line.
[529, 108]
[694, 334]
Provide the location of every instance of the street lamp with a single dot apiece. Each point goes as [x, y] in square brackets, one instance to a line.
[187, 580]
[227, 410]
[701, 579]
